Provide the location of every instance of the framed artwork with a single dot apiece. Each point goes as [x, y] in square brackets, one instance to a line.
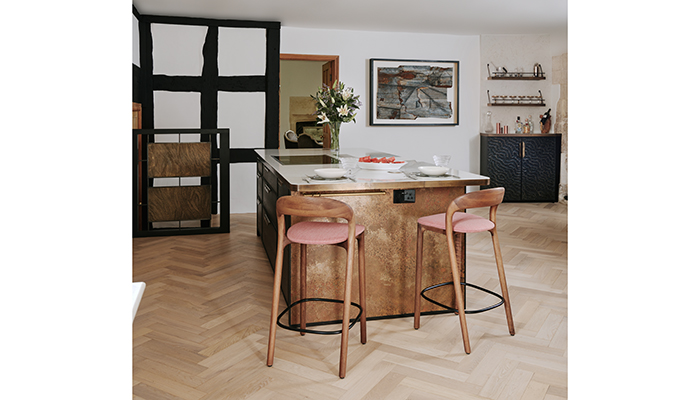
[413, 92]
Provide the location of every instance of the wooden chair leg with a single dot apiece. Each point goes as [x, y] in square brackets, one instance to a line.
[459, 302]
[460, 243]
[302, 287]
[502, 280]
[346, 311]
[361, 277]
[419, 277]
[275, 305]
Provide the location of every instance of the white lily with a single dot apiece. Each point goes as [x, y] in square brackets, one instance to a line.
[343, 110]
[346, 94]
[323, 118]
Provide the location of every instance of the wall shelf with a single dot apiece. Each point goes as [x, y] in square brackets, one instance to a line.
[522, 77]
[516, 101]
[536, 75]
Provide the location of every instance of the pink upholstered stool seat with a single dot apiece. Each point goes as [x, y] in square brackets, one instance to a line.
[312, 232]
[462, 222]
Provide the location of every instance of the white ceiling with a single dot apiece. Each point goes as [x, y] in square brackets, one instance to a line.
[460, 17]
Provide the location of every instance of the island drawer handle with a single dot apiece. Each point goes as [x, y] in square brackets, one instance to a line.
[374, 193]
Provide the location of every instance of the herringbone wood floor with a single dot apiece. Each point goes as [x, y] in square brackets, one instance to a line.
[201, 328]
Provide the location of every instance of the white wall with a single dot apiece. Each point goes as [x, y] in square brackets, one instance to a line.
[355, 48]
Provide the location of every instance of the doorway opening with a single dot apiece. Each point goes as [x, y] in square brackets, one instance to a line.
[300, 77]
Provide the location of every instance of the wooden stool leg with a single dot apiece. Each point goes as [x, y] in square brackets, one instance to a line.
[460, 243]
[275, 305]
[346, 310]
[502, 280]
[361, 277]
[302, 287]
[419, 277]
[459, 302]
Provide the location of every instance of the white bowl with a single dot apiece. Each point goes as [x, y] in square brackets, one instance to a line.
[382, 166]
[433, 171]
[330, 173]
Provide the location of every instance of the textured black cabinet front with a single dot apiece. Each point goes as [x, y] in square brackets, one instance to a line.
[527, 166]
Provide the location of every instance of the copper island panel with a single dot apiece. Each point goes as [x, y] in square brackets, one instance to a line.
[390, 253]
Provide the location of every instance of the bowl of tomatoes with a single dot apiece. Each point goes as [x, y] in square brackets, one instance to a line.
[380, 163]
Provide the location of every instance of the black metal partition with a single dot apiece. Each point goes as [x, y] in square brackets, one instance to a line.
[181, 182]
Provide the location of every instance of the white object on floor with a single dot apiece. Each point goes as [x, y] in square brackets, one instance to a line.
[137, 289]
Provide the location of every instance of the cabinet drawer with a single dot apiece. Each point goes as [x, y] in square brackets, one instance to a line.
[269, 238]
[269, 201]
[269, 177]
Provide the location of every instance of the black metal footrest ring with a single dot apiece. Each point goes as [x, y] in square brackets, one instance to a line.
[298, 329]
[491, 307]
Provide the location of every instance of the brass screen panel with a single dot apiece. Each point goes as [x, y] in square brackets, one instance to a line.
[179, 203]
[179, 159]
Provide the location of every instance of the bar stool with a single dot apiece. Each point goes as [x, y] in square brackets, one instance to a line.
[456, 224]
[319, 233]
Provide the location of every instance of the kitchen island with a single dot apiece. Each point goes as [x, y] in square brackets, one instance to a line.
[386, 203]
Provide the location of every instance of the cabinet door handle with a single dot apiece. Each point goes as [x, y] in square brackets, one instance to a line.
[522, 149]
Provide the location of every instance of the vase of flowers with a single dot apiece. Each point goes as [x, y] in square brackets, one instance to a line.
[334, 105]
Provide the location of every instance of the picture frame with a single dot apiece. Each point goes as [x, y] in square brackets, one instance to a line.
[413, 92]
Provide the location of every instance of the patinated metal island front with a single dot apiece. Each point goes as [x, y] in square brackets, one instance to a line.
[390, 228]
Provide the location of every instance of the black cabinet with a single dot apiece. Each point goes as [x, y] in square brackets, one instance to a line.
[527, 166]
[269, 189]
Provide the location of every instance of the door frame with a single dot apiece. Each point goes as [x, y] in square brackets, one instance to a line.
[335, 68]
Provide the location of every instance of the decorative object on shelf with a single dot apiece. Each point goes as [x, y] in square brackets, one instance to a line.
[334, 105]
[517, 74]
[518, 125]
[498, 100]
[545, 122]
[538, 70]
[414, 92]
[488, 125]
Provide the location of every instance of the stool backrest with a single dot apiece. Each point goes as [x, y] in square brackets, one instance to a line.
[483, 198]
[314, 207]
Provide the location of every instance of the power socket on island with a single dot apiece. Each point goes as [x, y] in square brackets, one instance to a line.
[404, 196]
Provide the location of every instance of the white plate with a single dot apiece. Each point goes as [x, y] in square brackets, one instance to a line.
[433, 171]
[330, 173]
[382, 166]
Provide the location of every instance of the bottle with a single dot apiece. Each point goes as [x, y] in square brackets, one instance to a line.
[526, 126]
[488, 125]
[545, 122]
[531, 124]
[518, 125]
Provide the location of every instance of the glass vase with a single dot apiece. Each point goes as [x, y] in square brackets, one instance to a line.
[335, 137]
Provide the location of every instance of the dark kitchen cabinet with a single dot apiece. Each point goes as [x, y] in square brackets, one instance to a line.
[527, 166]
[269, 188]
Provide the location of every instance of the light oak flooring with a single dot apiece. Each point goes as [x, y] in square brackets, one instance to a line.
[201, 329]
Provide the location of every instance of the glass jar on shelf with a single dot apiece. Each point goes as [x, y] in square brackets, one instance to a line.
[487, 126]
